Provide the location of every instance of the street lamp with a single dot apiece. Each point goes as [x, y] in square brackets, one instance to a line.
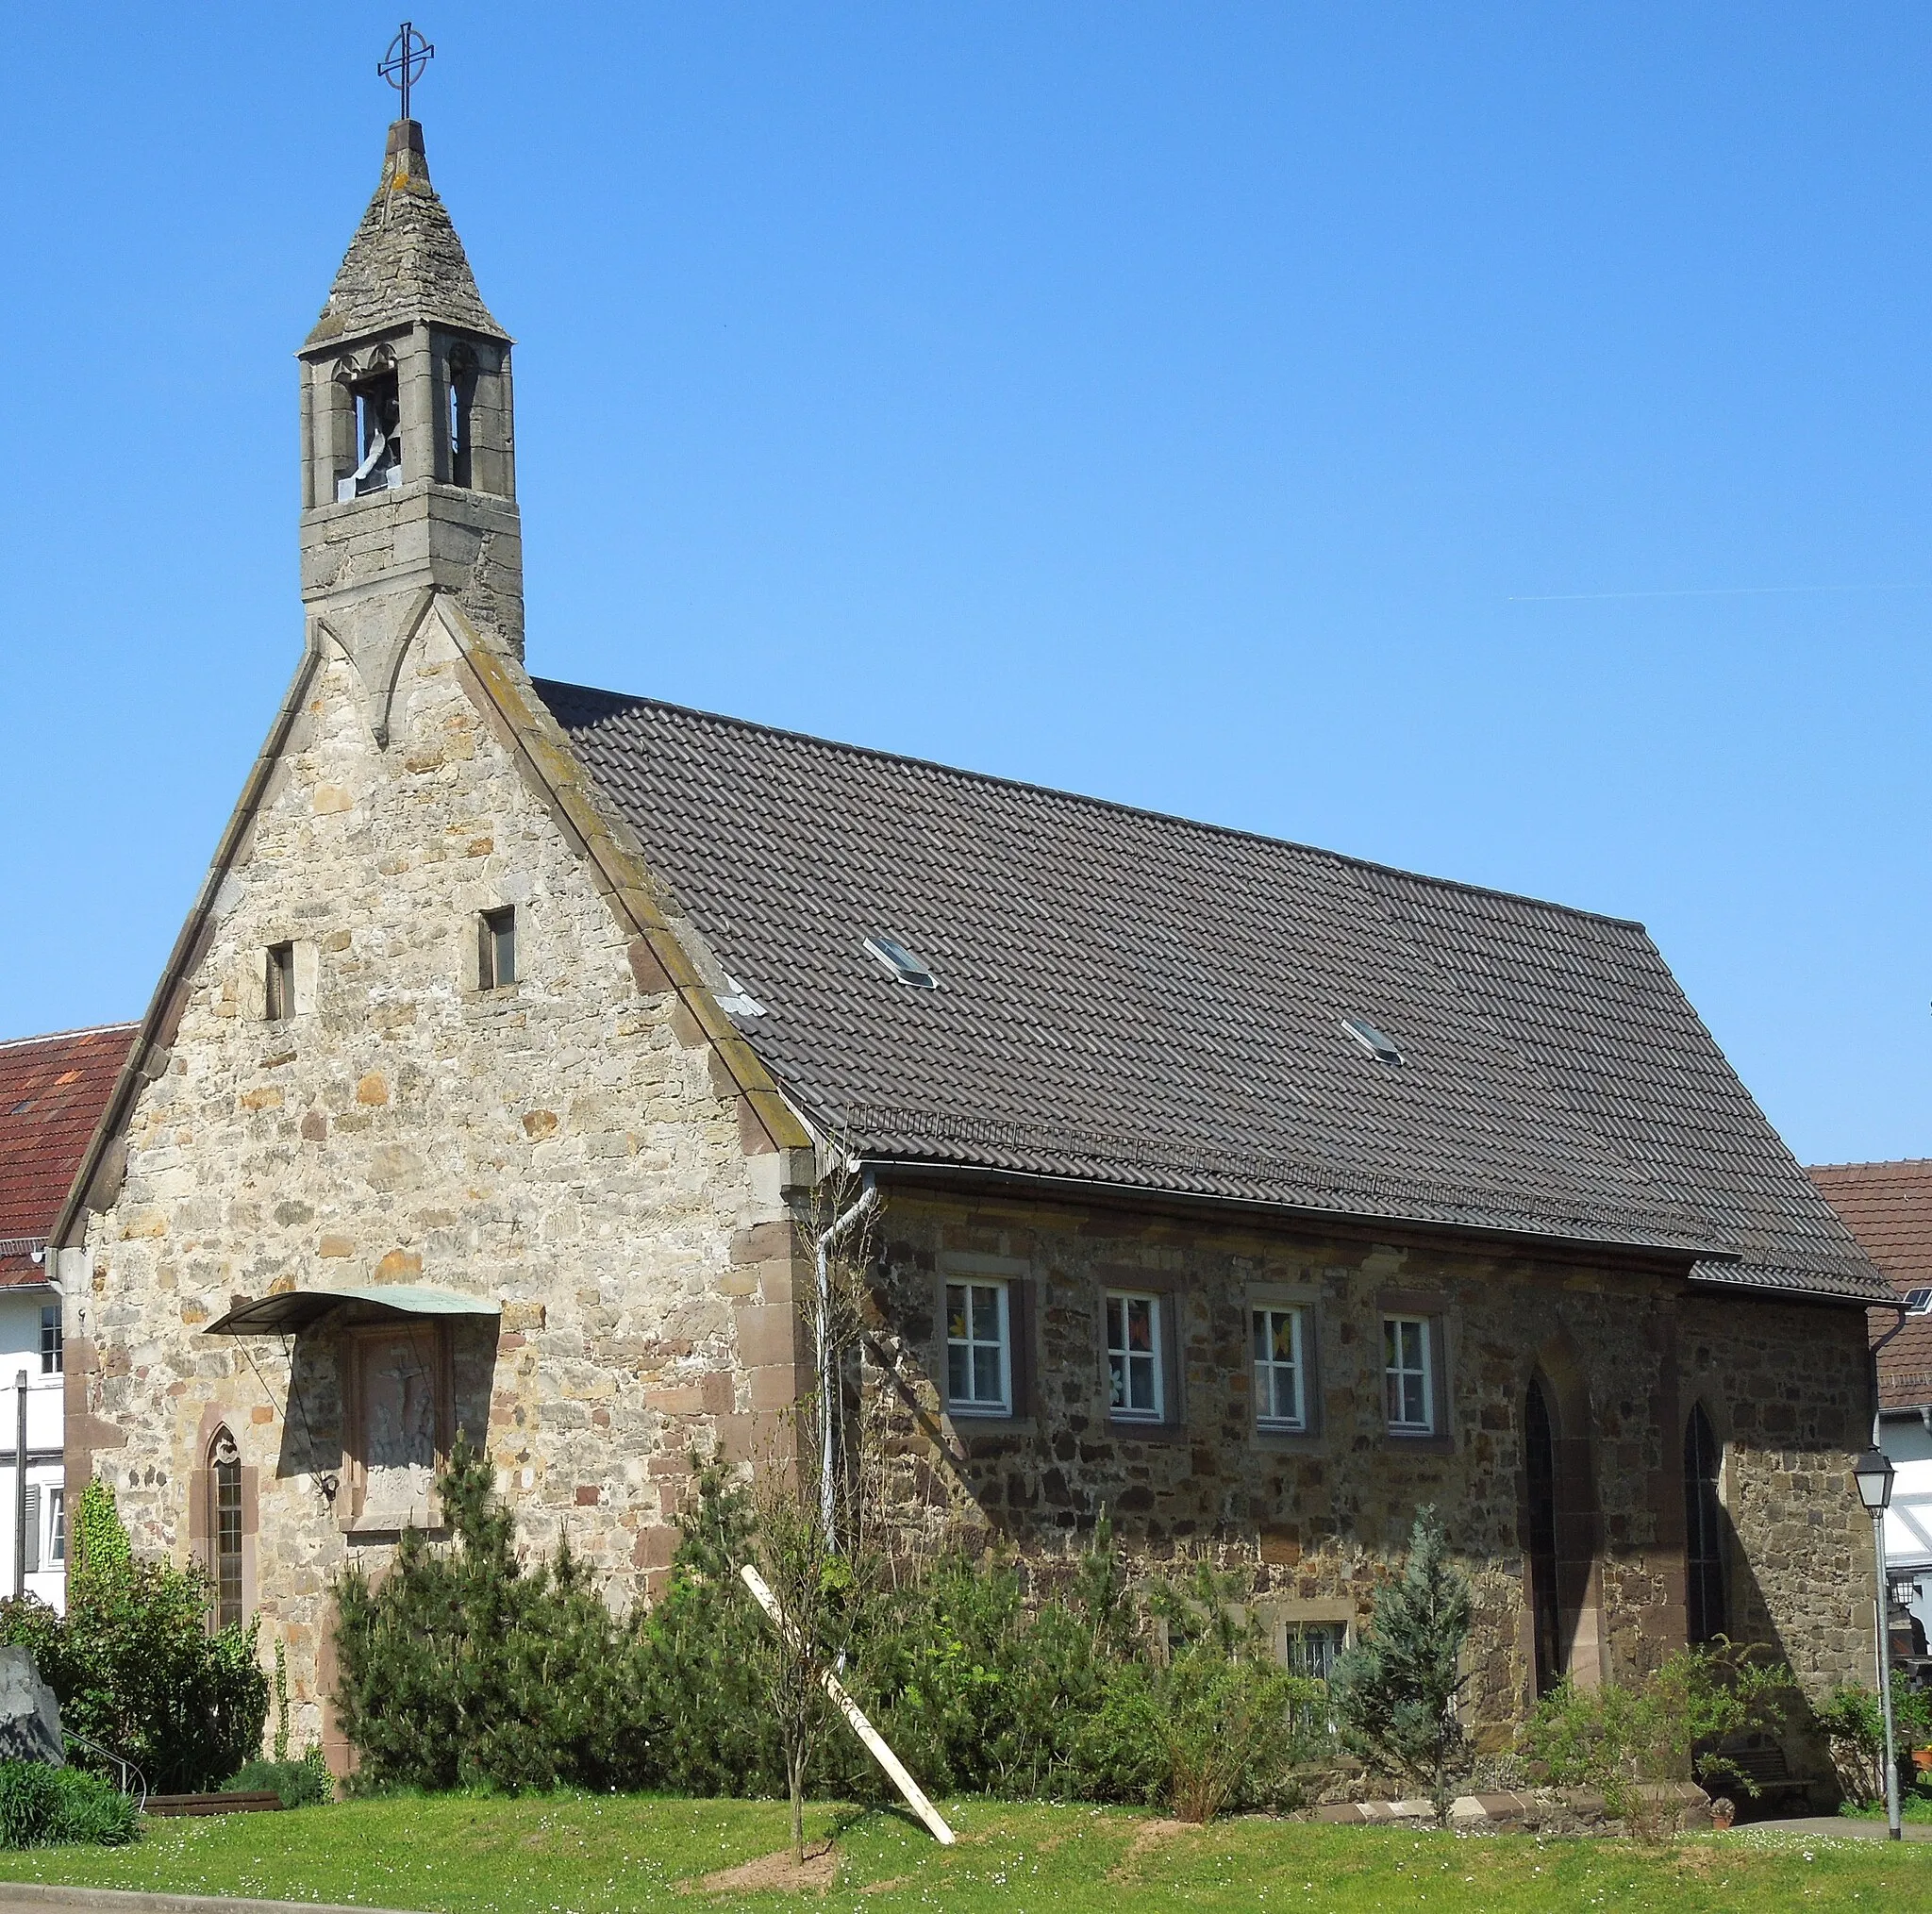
[1872, 1473]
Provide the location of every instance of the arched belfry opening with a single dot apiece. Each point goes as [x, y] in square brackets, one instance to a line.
[1706, 1615]
[1560, 1524]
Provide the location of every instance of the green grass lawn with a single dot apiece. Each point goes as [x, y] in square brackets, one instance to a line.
[580, 1855]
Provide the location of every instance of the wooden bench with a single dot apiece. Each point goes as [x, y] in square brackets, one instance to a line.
[214, 1803]
[1766, 1765]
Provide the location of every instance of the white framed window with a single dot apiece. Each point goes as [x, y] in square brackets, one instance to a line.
[1280, 1390]
[979, 1348]
[1408, 1375]
[1135, 1386]
[57, 1525]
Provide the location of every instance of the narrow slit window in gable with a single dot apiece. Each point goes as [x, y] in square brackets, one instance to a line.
[281, 982]
[496, 950]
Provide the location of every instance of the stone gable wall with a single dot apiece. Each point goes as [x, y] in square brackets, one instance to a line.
[1321, 1520]
[565, 1145]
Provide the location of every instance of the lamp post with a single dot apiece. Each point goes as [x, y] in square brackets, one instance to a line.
[1872, 1473]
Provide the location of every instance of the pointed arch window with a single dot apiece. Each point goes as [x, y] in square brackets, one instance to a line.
[225, 1525]
[1540, 1467]
[1704, 1562]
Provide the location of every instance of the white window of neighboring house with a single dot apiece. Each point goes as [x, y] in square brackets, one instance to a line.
[1408, 1375]
[53, 1359]
[1133, 1356]
[979, 1366]
[56, 1528]
[1278, 1389]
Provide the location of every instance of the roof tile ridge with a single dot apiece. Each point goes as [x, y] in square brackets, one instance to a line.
[61, 1036]
[1875, 1163]
[1087, 798]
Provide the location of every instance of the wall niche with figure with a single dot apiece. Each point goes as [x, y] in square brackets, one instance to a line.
[399, 1421]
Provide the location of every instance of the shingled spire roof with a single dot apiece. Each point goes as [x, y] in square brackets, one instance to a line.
[406, 261]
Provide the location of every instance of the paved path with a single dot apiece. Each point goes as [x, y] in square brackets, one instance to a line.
[1839, 1827]
[50, 1898]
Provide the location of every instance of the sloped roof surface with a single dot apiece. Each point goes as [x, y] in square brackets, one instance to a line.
[1888, 1206]
[406, 261]
[52, 1093]
[1156, 1004]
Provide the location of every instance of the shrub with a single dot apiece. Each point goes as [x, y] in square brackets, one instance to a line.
[306, 1783]
[1853, 1724]
[41, 1805]
[1394, 1693]
[464, 1669]
[690, 1665]
[997, 1695]
[1668, 1726]
[134, 1666]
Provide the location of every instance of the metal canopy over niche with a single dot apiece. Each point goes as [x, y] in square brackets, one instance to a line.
[293, 1310]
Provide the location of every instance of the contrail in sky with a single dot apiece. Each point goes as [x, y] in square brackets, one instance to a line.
[1714, 591]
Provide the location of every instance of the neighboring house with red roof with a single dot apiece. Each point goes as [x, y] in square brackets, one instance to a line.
[52, 1093]
[1888, 1206]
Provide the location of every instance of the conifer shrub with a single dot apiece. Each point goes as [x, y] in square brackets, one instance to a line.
[465, 1669]
[134, 1665]
[1394, 1693]
[700, 1702]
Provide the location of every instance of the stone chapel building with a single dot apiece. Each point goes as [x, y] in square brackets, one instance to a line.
[1253, 1194]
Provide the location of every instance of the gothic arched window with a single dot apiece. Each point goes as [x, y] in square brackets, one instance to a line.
[1540, 1465]
[1703, 1560]
[225, 1525]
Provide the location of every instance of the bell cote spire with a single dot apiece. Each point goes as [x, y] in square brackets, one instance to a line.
[408, 452]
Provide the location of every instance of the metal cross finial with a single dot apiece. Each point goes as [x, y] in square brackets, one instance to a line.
[402, 66]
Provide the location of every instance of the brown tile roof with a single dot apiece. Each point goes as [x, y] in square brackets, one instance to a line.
[52, 1093]
[1153, 1004]
[1888, 1206]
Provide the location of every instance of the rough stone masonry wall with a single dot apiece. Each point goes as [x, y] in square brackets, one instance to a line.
[1322, 1519]
[563, 1144]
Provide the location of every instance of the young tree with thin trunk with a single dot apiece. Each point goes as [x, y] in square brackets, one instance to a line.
[813, 1494]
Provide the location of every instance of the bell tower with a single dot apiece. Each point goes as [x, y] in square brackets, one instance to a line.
[409, 454]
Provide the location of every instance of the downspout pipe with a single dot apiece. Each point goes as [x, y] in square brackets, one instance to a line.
[19, 1486]
[828, 1498]
[1903, 1312]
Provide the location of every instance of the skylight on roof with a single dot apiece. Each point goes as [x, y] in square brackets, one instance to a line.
[902, 963]
[1372, 1040]
[1919, 1302]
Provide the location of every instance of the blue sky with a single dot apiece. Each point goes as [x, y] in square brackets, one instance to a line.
[1490, 440]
